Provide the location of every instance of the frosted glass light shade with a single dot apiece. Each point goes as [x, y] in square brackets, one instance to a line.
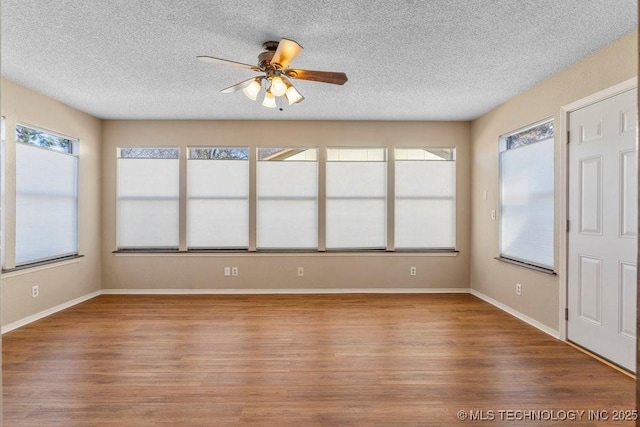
[252, 90]
[293, 96]
[278, 87]
[269, 100]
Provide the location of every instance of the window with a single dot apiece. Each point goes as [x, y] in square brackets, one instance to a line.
[526, 195]
[425, 198]
[356, 191]
[269, 199]
[287, 209]
[46, 196]
[148, 198]
[3, 180]
[218, 198]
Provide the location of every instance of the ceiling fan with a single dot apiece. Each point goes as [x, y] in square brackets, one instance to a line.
[274, 62]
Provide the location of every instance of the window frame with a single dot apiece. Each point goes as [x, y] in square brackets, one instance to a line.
[385, 156]
[316, 162]
[3, 201]
[503, 146]
[189, 158]
[150, 248]
[385, 161]
[454, 197]
[73, 151]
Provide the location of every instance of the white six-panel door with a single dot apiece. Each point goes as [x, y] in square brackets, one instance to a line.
[603, 215]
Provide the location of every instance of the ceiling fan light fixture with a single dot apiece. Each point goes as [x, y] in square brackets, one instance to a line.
[252, 90]
[278, 86]
[269, 100]
[293, 96]
[273, 64]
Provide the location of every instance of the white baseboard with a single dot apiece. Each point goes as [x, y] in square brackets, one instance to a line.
[516, 313]
[48, 312]
[285, 291]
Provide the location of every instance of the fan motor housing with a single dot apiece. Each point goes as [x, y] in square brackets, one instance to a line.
[264, 59]
[270, 45]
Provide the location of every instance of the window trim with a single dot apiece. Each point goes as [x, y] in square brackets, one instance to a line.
[74, 151]
[179, 159]
[258, 161]
[322, 161]
[454, 159]
[525, 265]
[47, 263]
[188, 158]
[503, 148]
[3, 189]
[389, 196]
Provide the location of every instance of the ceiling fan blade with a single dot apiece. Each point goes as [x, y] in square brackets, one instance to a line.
[286, 51]
[318, 76]
[238, 86]
[212, 60]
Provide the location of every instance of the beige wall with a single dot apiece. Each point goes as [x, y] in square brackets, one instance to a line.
[279, 271]
[540, 292]
[59, 283]
[477, 171]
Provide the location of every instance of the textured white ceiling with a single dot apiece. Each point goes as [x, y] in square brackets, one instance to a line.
[405, 59]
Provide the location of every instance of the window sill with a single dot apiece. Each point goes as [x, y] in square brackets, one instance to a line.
[526, 265]
[289, 253]
[42, 265]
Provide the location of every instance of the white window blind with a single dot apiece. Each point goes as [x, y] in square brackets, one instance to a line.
[3, 181]
[287, 210]
[425, 198]
[526, 193]
[218, 198]
[46, 203]
[148, 198]
[356, 190]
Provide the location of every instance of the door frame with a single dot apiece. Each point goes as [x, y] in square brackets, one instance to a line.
[563, 258]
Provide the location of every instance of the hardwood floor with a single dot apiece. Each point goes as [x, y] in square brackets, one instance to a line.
[299, 360]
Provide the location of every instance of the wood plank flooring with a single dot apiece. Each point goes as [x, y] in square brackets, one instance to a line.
[299, 360]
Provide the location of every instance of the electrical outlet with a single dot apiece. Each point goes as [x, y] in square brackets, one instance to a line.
[300, 271]
[518, 289]
[35, 291]
[234, 271]
[413, 271]
[227, 271]
[493, 214]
